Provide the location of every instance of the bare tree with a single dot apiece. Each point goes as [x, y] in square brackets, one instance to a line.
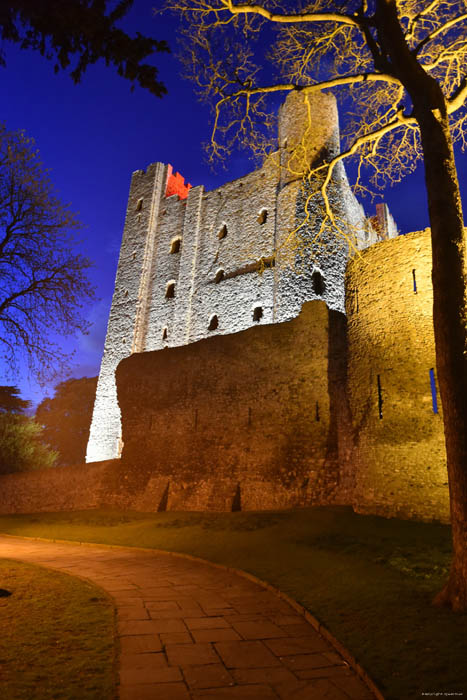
[402, 65]
[43, 283]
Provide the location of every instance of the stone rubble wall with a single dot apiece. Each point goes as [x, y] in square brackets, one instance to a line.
[246, 412]
[399, 460]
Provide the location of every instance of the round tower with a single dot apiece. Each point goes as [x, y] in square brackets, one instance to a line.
[308, 132]
[312, 249]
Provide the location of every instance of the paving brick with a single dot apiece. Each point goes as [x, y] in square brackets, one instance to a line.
[211, 600]
[190, 590]
[277, 674]
[300, 661]
[130, 602]
[154, 674]
[297, 645]
[133, 627]
[162, 605]
[258, 630]
[270, 603]
[161, 691]
[246, 655]
[129, 660]
[140, 644]
[133, 613]
[190, 607]
[191, 654]
[299, 630]
[334, 658]
[210, 623]
[287, 619]
[215, 635]
[314, 690]
[239, 692]
[246, 617]
[149, 626]
[213, 611]
[176, 638]
[208, 676]
[161, 593]
[176, 614]
[327, 672]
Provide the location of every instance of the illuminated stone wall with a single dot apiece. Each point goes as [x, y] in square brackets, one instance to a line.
[399, 461]
[200, 265]
[244, 417]
[246, 420]
[281, 415]
[77, 487]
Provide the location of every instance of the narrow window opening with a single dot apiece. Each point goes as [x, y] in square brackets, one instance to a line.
[222, 232]
[164, 334]
[380, 397]
[219, 276]
[414, 279]
[356, 301]
[317, 416]
[434, 393]
[269, 262]
[175, 245]
[213, 323]
[317, 283]
[263, 216]
[257, 314]
[170, 290]
[237, 500]
[139, 204]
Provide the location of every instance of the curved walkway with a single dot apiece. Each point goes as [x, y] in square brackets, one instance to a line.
[190, 630]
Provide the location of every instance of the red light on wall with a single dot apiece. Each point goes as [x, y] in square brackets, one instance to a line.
[176, 184]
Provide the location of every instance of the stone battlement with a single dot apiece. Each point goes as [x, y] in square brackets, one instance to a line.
[176, 184]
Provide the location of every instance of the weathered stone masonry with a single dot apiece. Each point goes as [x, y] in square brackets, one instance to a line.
[202, 265]
[399, 460]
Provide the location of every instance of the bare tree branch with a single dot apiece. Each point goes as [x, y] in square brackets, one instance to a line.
[43, 283]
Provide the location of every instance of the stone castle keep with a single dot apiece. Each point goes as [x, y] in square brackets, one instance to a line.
[239, 372]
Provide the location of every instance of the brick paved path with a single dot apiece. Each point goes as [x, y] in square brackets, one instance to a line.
[189, 630]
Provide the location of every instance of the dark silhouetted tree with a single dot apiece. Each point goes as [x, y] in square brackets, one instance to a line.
[43, 282]
[66, 419]
[22, 445]
[77, 33]
[10, 401]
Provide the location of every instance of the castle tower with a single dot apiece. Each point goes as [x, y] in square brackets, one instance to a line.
[194, 263]
[312, 250]
[126, 327]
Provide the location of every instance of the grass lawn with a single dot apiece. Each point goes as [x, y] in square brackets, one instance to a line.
[57, 636]
[368, 579]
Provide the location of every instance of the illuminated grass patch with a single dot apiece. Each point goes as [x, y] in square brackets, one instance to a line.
[57, 637]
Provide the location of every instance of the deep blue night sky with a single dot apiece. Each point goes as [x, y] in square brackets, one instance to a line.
[92, 136]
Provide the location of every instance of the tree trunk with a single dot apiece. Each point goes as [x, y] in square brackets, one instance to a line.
[449, 321]
[449, 281]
